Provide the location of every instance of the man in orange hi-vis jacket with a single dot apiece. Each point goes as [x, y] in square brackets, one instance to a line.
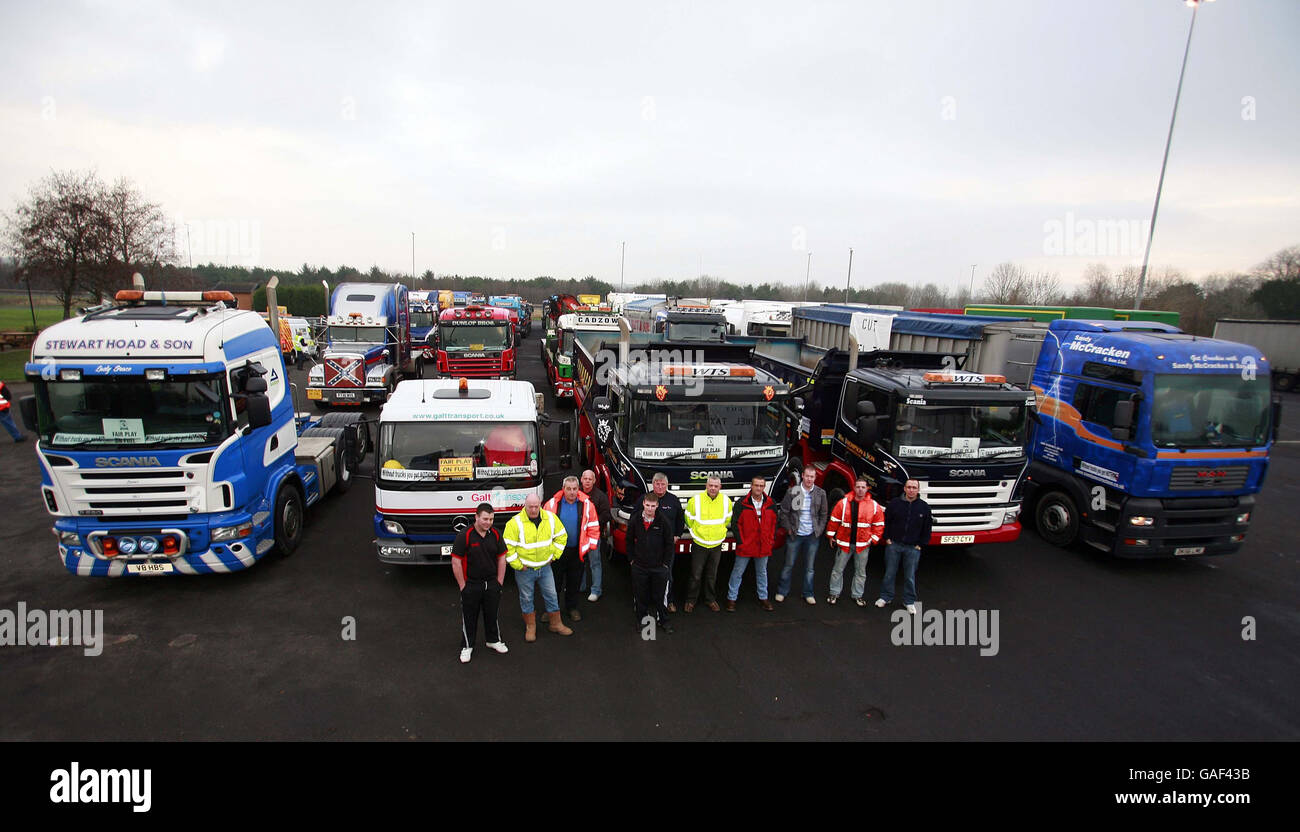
[856, 522]
[578, 514]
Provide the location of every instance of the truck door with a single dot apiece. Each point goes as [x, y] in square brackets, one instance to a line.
[1098, 455]
[849, 445]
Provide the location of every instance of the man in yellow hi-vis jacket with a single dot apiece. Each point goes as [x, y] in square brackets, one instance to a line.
[707, 517]
[535, 537]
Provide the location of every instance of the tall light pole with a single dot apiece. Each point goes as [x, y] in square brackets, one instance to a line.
[412, 259]
[970, 294]
[806, 277]
[1155, 209]
[849, 280]
[622, 258]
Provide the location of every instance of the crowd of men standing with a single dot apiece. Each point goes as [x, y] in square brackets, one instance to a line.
[558, 548]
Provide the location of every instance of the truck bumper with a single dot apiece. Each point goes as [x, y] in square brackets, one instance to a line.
[221, 557]
[357, 396]
[395, 550]
[1184, 527]
[1005, 533]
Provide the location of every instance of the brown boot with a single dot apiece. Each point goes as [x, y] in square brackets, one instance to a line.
[557, 624]
[530, 626]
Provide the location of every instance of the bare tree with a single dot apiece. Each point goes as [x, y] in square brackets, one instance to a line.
[61, 234]
[142, 239]
[1043, 288]
[1284, 265]
[1007, 283]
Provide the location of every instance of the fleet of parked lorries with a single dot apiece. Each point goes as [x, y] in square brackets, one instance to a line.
[171, 440]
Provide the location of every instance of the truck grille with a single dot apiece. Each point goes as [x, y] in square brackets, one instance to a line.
[474, 367]
[967, 506]
[1223, 478]
[122, 493]
[345, 370]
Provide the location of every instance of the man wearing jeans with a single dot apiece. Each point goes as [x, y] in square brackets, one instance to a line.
[595, 567]
[907, 529]
[803, 516]
[535, 537]
[856, 523]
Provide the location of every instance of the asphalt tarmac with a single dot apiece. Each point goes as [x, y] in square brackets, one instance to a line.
[1087, 647]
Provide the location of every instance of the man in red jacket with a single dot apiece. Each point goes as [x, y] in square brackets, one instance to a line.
[856, 522]
[753, 524]
[578, 514]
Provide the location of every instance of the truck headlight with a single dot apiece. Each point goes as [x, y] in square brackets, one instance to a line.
[231, 532]
[126, 545]
[1142, 521]
[394, 527]
[68, 538]
[1244, 517]
[1010, 516]
[148, 545]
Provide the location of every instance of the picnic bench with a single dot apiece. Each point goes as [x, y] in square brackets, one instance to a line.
[17, 338]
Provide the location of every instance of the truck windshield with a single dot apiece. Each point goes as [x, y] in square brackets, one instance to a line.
[694, 331]
[421, 320]
[1196, 411]
[960, 431]
[357, 334]
[128, 411]
[463, 336]
[457, 451]
[706, 430]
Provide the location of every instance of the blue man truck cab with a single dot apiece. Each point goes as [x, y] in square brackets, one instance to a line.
[169, 442]
[1150, 442]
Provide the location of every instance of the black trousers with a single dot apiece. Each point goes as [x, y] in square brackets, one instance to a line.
[649, 586]
[704, 564]
[479, 596]
[568, 578]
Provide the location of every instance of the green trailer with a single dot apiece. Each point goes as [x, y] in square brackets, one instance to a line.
[1087, 313]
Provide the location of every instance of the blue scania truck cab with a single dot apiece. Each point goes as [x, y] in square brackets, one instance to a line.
[1150, 442]
[168, 438]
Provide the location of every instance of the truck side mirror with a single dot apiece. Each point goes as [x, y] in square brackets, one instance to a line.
[255, 385]
[1277, 414]
[866, 408]
[258, 408]
[27, 407]
[798, 403]
[1123, 420]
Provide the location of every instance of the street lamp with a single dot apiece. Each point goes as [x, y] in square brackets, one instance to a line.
[622, 257]
[970, 295]
[849, 281]
[1155, 209]
[807, 275]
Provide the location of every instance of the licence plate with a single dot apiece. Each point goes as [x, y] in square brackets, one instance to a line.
[957, 538]
[1190, 550]
[149, 568]
[446, 550]
[313, 393]
[345, 395]
[395, 551]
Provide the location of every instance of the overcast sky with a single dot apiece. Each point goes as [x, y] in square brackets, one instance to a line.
[729, 138]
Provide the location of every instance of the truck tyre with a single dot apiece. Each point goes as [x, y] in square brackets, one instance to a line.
[419, 368]
[288, 519]
[1056, 518]
[1283, 382]
[836, 488]
[342, 420]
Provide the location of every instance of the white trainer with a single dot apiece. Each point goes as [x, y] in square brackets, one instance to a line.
[811, 600]
[780, 598]
[593, 597]
[499, 646]
[465, 653]
[882, 603]
[911, 608]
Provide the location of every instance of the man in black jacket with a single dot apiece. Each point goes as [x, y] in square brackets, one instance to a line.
[478, 562]
[670, 506]
[650, 546]
[907, 529]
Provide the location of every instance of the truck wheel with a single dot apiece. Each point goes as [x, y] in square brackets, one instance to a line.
[1056, 518]
[1283, 382]
[836, 488]
[288, 520]
[344, 481]
[419, 368]
[342, 420]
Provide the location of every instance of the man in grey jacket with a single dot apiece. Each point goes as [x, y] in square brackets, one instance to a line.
[803, 515]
